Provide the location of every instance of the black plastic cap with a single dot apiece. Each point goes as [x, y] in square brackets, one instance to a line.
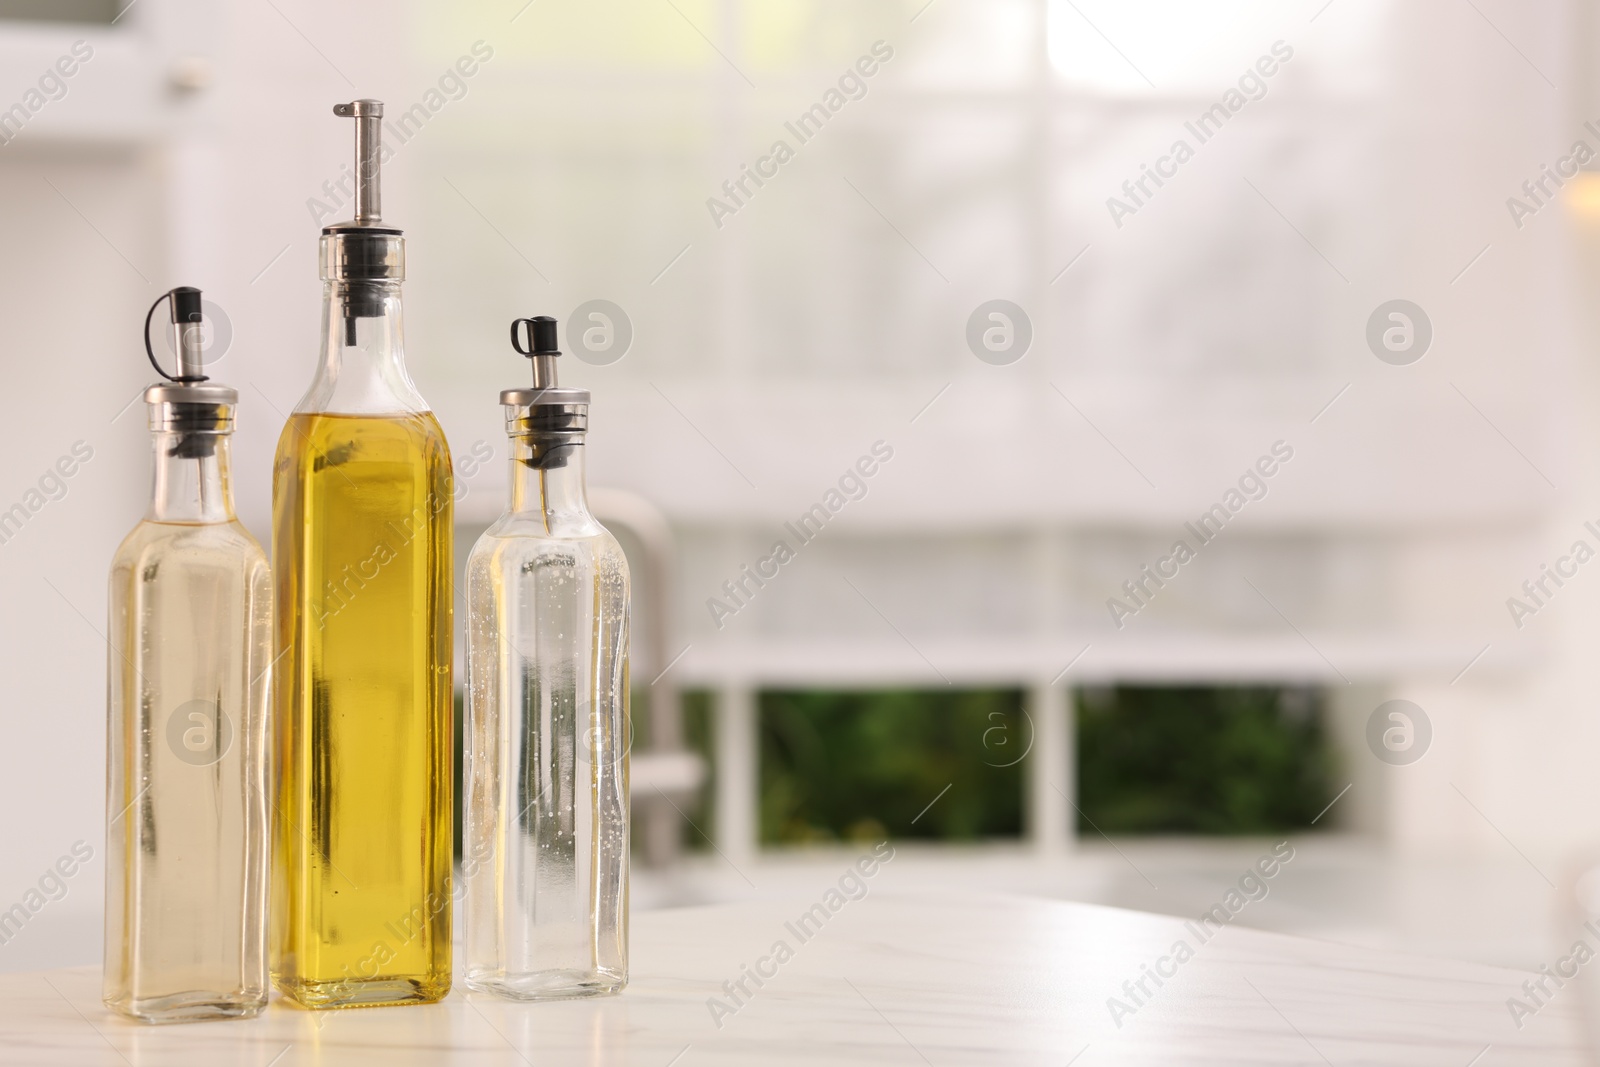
[185, 305]
[544, 335]
[541, 336]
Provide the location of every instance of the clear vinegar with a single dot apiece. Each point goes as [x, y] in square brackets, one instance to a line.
[361, 889]
[546, 856]
[545, 860]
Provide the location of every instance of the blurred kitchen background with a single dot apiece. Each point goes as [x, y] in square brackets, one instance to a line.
[939, 664]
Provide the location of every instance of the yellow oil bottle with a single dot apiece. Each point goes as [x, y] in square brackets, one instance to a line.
[362, 495]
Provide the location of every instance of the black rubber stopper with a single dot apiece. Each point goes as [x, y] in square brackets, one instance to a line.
[540, 336]
[185, 305]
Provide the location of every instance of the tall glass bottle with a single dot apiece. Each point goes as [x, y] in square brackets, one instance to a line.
[546, 853]
[361, 543]
[186, 752]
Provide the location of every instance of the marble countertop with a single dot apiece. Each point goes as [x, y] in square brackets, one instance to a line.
[936, 979]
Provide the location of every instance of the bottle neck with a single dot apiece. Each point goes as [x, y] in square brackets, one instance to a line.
[540, 488]
[363, 369]
[192, 484]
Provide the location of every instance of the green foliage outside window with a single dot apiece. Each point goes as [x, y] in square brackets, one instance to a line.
[1200, 760]
[841, 766]
[862, 766]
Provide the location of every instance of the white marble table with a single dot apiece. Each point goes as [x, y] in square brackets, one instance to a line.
[889, 979]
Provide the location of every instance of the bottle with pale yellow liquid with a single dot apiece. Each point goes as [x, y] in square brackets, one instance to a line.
[186, 747]
[362, 554]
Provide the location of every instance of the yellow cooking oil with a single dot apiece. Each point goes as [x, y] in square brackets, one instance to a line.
[362, 829]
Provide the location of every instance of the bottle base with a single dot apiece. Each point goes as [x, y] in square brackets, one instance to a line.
[379, 992]
[546, 985]
[189, 1007]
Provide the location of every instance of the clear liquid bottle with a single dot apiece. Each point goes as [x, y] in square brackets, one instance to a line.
[186, 750]
[545, 859]
[362, 515]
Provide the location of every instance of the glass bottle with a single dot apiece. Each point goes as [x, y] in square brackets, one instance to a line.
[545, 859]
[186, 749]
[362, 542]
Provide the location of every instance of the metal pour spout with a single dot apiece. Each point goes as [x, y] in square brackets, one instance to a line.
[548, 418]
[187, 403]
[187, 333]
[361, 254]
[369, 150]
